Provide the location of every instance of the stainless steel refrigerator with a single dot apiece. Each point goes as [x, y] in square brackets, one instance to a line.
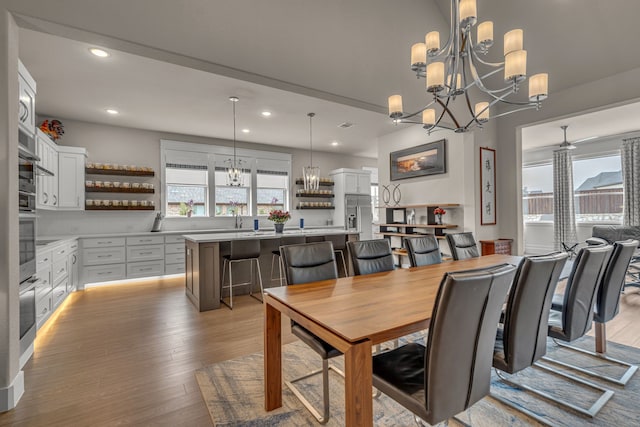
[358, 215]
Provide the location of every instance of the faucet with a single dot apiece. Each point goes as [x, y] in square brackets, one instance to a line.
[238, 221]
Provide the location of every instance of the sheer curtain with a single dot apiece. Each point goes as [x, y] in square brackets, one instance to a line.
[631, 180]
[564, 218]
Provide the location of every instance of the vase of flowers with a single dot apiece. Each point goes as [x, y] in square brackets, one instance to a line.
[438, 212]
[279, 218]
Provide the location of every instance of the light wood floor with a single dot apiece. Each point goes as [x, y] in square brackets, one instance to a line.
[126, 355]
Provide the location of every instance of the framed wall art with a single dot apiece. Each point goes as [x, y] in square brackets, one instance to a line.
[488, 186]
[425, 159]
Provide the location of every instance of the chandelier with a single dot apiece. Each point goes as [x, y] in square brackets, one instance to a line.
[234, 170]
[461, 57]
[311, 174]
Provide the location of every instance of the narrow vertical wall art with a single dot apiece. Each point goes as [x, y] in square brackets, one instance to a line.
[487, 186]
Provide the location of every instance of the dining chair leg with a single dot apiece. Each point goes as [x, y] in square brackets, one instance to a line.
[623, 380]
[324, 417]
[521, 409]
[590, 412]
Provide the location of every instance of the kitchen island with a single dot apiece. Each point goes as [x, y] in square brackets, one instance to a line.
[204, 252]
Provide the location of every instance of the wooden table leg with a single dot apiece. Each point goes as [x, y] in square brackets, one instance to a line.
[358, 384]
[272, 357]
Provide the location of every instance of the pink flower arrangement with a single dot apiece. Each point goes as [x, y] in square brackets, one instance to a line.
[278, 216]
[439, 211]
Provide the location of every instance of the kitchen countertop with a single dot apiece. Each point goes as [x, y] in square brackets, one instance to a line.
[53, 240]
[250, 235]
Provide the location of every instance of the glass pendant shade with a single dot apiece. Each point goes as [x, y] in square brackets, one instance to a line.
[395, 105]
[432, 41]
[311, 177]
[311, 174]
[435, 76]
[485, 33]
[234, 171]
[539, 87]
[515, 65]
[513, 40]
[429, 117]
[482, 111]
[418, 55]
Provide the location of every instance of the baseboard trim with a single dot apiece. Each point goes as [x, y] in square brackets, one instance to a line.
[10, 396]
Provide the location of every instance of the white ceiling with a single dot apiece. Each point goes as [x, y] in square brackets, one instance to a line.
[156, 95]
[289, 55]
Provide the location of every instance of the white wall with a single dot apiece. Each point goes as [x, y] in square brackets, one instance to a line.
[11, 378]
[610, 91]
[458, 185]
[112, 144]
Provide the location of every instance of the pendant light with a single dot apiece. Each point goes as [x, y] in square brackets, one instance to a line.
[311, 174]
[234, 171]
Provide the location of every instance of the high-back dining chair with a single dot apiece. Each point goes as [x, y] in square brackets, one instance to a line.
[304, 263]
[462, 245]
[370, 256]
[521, 339]
[423, 250]
[575, 319]
[453, 371]
[606, 308]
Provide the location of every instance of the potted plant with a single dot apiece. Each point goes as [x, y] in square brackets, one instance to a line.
[279, 218]
[438, 212]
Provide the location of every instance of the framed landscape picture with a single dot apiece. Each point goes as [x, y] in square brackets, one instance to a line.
[426, 159]
[488, 186]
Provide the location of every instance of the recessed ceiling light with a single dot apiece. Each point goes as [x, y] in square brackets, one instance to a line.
[99, 52]
[112, 111]
[335, 143]
[266, 113]
[245, 131]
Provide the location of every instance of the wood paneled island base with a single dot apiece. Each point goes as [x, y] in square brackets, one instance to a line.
[203, 259]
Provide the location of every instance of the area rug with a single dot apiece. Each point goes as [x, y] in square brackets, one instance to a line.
[233, 392]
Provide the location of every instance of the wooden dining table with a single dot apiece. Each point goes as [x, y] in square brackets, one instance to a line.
[353, 314]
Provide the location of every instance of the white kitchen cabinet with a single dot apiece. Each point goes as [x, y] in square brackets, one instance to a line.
[70, 178]
[145, 253]
[100, 256]
[351, 181]
[27, 101]
[74, 267]
[145, 269]
[53, 273]
[47, 182]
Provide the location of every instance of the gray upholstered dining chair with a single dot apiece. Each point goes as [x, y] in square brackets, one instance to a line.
[606, 308]
[423, 250]
[576, 318]
[241, 251]
[370, 256]
[521, 338]
[453, 371]
[462, 245]
[304, 263]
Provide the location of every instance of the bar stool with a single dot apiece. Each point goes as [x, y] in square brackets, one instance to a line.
[339, 248]
[275, 254]
[241, 250]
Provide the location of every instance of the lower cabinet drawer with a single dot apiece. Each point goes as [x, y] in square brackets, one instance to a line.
[103, 242]
[144, 269]
[145, 253]
[174, 248]
[101, 256]
[174, 258]
[60, 270]
[58, 294]
[174, 268]
[104, 273]
[43, 309]
[174, 239]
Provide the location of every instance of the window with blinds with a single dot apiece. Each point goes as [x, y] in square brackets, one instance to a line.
[272, 190]
[187, 189]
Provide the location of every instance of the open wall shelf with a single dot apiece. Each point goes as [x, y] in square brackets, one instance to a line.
[117, 172]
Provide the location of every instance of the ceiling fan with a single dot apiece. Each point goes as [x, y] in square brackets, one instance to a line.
[571, 145]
